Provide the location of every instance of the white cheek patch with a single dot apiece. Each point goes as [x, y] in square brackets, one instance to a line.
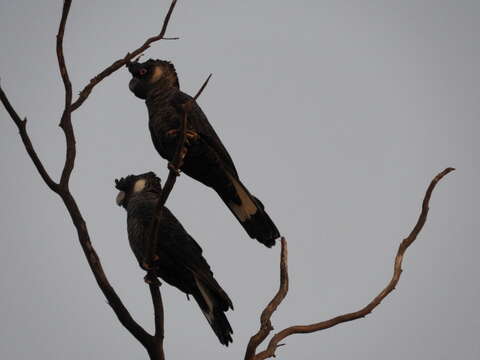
[120, 198]
[139, 185]
[157, 74]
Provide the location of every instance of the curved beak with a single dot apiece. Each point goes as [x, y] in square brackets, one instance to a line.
[120, 198]
[132, 85]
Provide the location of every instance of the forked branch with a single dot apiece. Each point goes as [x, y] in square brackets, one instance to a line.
[265, 325]
[152, 343]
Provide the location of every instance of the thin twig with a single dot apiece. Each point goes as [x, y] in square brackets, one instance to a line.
[265, 323]
[66, 120]
[22, 128]
[304, 329]
[200, 91]
[60, 56]
[126, 59]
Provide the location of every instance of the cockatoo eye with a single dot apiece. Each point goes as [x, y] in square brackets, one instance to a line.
[142, 71]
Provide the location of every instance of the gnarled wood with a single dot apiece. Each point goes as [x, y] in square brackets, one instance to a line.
[305, 329]
[152, 343]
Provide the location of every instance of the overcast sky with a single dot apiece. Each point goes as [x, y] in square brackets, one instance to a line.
[337, 115]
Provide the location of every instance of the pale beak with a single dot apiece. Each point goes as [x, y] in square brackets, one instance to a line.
[120, 198]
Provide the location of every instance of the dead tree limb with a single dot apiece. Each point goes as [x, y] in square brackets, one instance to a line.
[265, 325]
[156, 351]
[22, 128]
[152, 343]
[66, 120]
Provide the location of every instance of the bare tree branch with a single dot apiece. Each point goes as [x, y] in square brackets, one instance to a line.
[305, 329]
[60, 57]
[156, 347]
[93, 260]
[200, 91]
[22, 128]
[153, 344]
[159, 317]
[66, 120]
[265, 323]
[126, 59]
[96, 267]
[158, 308]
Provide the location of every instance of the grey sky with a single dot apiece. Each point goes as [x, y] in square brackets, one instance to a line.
[337, 115]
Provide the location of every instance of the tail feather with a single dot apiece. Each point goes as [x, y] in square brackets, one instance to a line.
[251, 214]
[213, 305]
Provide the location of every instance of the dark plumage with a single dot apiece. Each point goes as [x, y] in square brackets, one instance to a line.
[207, 160]
[180, 262]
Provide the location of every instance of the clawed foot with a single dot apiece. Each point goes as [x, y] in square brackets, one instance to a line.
[190, 135]
[148, 266]
[151, 279]
[172, 167]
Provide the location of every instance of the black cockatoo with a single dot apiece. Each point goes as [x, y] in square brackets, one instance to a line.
[178, 259]
[206, 159]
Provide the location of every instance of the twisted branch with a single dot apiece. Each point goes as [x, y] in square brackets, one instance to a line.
[152, 343]
[305, 329]
[265, 323]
